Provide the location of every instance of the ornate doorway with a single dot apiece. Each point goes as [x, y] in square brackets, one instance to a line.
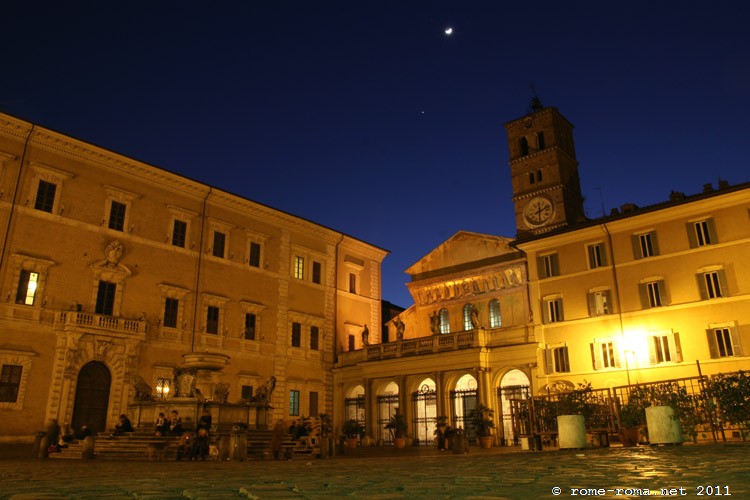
[92, 397]
[464, 399]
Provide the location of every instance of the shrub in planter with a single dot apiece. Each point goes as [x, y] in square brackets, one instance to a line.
[398, 426]
[730, 394]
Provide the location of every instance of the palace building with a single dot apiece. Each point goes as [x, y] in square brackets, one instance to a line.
[114, 273]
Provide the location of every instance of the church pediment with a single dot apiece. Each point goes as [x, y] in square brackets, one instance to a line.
[462, 248]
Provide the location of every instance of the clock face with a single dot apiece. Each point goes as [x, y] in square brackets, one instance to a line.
[538, 211]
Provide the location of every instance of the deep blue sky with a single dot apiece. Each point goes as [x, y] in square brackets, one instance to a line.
[365, 117]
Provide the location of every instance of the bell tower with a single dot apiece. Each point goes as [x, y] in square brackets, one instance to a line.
[544, 171]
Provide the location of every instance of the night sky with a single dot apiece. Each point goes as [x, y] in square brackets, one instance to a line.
[367, 118]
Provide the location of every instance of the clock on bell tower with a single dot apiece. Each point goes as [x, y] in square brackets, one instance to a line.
[544, 171]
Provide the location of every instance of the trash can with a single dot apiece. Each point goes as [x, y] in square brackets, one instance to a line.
[238, 442]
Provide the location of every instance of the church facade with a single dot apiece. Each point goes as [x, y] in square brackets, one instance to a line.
[642, 295]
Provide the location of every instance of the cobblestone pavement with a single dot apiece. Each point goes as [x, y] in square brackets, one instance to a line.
[717, 469]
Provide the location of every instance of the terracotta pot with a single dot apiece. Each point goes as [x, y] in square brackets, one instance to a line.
[399, 442]
[629, 436]
[485, 442]
[351, 442]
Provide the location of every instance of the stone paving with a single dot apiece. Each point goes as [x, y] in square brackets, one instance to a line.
[719, 470]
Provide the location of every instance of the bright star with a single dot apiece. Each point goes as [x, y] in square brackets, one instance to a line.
[448, 31]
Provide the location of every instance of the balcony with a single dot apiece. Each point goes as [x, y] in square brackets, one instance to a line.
[99, 323]
[416, 347]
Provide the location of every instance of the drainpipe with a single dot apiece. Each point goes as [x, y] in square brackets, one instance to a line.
[198, 269]
[6, 237]
[617, 295]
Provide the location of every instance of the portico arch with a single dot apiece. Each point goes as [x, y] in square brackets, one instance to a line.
[424, 405]
[387, 404]
[514, 386]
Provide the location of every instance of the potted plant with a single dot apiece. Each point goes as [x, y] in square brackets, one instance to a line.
[352, 430]
[632, 415]
[672, 410]
[729, 394]
[482, 420]
[573, 410]
[441, 423]
[326, 443]
[398, 426]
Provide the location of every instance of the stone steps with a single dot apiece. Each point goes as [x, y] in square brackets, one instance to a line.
[144, 445]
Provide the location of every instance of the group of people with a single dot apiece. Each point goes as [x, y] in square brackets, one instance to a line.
[302, 431]
[171, 426]
[59, 438]
[193, 446]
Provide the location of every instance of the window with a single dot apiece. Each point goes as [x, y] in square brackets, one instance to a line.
[701, 233]
[173, 303]
[598, 302]
[105, 298]
[445, 324]
[712, 284]
[597, 256]
[523, 143]
[535, 176]
[653, 294]
[552, 310]
[557, 360]
[296, 335]
[313, 404]
[645, 245]
[294, 403]
[468, 309]
[351, 343]
[219, 242]
[171, 310]
[299, 267]
[316, 272]
[724, 342]
[250, 326]
[540, 140]
[179, 226]
[27, 285]
[254, 259]
[45, 189]
[314, 338]
[665, 348]
[212, 320]
[246, 392]
[179, 233]
[10, 381]
[352, 283]
[45, 196]
[548, 266]
[604, 354]
[496, 320]
[117, 216]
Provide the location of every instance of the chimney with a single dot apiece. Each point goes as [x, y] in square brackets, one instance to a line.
[628, 207]
[707, 188]
[676, 196]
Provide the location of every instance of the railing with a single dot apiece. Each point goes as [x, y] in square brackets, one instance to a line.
[416, 347]
[74, 319]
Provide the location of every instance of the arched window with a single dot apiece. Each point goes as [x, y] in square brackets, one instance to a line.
[468, 310]
[523, 143]
[445, 324]
[495, 319]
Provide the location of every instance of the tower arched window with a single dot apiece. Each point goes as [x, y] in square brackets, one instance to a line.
[496, 320]
[445, 325]
[524, 144]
